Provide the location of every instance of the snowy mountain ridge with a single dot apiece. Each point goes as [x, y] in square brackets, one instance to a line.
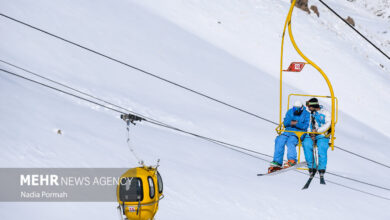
[380, 8]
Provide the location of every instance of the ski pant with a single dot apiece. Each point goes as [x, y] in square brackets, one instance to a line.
[322, 147]
[291, 140]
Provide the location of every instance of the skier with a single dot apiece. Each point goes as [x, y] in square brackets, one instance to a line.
[320, 122]
[297, 119]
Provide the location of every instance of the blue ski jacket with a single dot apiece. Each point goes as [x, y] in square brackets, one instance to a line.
[322, 120]
[303, 120]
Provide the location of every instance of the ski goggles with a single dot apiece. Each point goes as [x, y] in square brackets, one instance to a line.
[297, 110]
[313, 103]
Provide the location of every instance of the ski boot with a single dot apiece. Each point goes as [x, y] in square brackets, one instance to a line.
[322, 179]
[312, 171]
[290, 163]
[274, 166]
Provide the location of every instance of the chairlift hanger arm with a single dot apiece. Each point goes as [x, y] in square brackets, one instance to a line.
[287, 25]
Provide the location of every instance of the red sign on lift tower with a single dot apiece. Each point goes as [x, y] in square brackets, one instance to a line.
[295, 67]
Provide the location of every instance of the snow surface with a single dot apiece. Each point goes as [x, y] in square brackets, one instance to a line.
[227, 49]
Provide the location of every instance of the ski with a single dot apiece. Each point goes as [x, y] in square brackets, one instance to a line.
[309, 181]
[299, 165]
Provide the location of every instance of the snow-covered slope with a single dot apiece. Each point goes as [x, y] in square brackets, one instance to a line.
[380, 8]
[227, 49]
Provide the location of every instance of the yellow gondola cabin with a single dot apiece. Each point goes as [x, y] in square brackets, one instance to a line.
[138, 193]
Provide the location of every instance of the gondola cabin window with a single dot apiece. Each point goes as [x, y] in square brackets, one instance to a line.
[131, 190]
[151, 187]
[159, 183]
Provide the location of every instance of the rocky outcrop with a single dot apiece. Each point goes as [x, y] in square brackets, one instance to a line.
[315, 10]
[302, 4]
[350, 21]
